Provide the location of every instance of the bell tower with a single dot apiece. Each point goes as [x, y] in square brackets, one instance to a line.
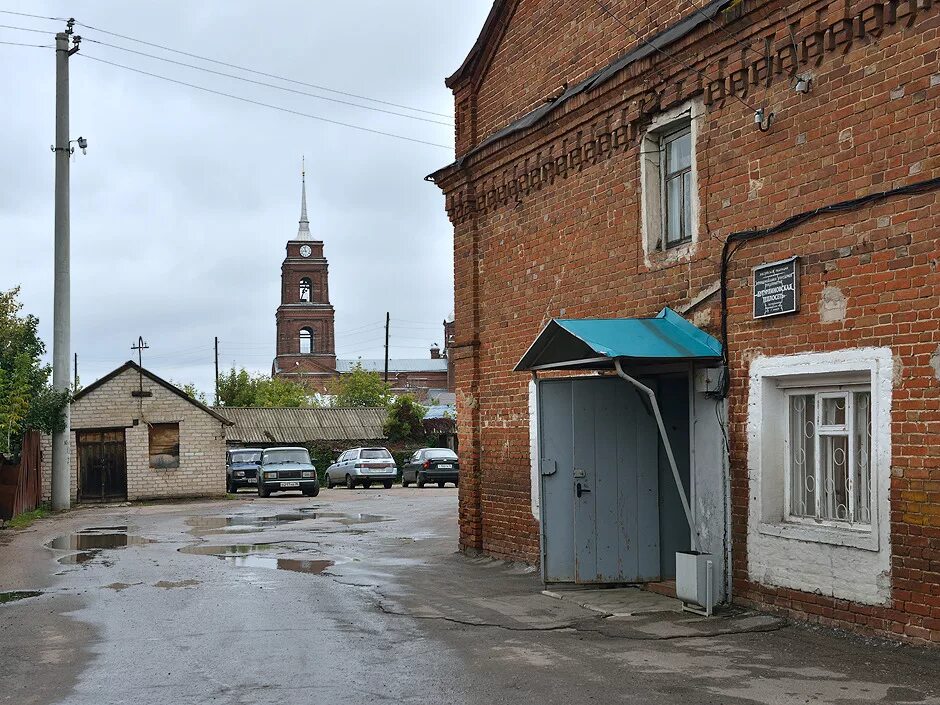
[306, 351]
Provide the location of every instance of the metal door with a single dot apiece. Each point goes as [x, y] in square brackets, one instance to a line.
[102, 466]
[600, 496]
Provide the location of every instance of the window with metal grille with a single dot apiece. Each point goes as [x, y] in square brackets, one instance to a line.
[828, 456]
[164, 445]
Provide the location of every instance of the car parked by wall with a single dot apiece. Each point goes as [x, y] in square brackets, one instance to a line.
[287, 470]
[241, 468]
[362, 466]
[439, 465]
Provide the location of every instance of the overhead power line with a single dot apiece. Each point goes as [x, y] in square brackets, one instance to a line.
[35, 17]
[35, 46]
[672, 59]
[262, 104]
[259, 73]
[265, 84]
[26, 29]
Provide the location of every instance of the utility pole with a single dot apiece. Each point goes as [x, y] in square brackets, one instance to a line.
[387, 321]
[217, 370]
[75, 374]
[61, 306]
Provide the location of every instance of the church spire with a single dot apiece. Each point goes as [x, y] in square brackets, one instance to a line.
[303, 230]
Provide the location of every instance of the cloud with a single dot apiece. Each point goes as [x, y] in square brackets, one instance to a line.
[185, 201]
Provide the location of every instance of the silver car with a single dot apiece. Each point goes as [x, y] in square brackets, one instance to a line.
[362, 466]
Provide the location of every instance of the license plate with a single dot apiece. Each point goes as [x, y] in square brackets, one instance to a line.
[290, 484]
[444, 466]
[252, 480]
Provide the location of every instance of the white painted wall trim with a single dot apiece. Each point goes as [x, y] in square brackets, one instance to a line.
[842, 562]
[535, 479]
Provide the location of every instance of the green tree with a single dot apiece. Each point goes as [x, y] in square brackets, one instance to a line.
[405, 420]
[279, 392]
[237, 388]
[190, 389]
[27, 400]
[359, 387]
[240, 388]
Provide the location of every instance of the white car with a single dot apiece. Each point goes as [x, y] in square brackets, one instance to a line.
[362, 466]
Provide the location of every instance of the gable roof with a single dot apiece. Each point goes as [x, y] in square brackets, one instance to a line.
[131, 365]
[592, 343]
[485, 46]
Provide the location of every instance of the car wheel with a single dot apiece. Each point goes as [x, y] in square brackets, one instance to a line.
[441, 484]
[387, 484]
[350, 482]
[420, 481]
[231, 488]
[456, 483]
[263, 491]
[367, 483]
[312, 493]
[404, 482]
[328, 481]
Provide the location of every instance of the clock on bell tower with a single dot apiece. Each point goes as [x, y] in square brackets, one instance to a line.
[306, 350]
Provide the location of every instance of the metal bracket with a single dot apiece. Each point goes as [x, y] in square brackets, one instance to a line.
[548, 467]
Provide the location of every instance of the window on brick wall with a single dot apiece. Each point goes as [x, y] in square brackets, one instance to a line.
[669, 180]
[164, 445]
[306, 341]
[828, 456]
[819, 446]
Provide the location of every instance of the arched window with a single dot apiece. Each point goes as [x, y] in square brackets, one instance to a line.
[306, 341]
[305, 289]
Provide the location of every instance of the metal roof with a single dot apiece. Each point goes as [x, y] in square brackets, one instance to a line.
[303, 425]
[587, 343]
[426, 364]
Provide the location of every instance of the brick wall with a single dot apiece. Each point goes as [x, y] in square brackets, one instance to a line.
[201, 470]
[534, 241]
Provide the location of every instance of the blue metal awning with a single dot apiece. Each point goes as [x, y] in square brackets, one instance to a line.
[594, 343]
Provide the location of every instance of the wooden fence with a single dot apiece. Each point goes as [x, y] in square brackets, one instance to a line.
[21, 484]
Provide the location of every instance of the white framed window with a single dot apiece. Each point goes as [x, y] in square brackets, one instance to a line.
[828, 456]
[668, 177]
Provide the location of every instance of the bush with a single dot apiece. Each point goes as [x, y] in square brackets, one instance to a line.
[405, 421]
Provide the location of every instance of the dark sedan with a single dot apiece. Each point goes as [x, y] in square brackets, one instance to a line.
[438, 465]
[241, 468]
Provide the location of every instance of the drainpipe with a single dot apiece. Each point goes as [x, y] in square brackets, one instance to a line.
[672, 460]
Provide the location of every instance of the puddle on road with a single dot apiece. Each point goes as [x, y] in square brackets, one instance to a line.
[248, 523]
[234, 549]
[253, 555]
[14, 595]
[295, 565]
[240, 523]
[90, 542]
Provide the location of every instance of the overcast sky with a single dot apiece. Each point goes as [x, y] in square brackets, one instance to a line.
[184, 203]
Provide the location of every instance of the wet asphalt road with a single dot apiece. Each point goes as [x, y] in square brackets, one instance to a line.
[358, 597]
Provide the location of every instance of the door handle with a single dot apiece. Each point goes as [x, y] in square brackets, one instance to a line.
[581, 490]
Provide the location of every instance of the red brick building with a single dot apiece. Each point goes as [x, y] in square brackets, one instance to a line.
[612, 162]
[305, 321]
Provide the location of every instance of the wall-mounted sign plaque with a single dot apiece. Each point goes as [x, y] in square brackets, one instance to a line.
[777, 288]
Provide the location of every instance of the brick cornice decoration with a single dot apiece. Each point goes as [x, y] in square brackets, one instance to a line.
[595, 138]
